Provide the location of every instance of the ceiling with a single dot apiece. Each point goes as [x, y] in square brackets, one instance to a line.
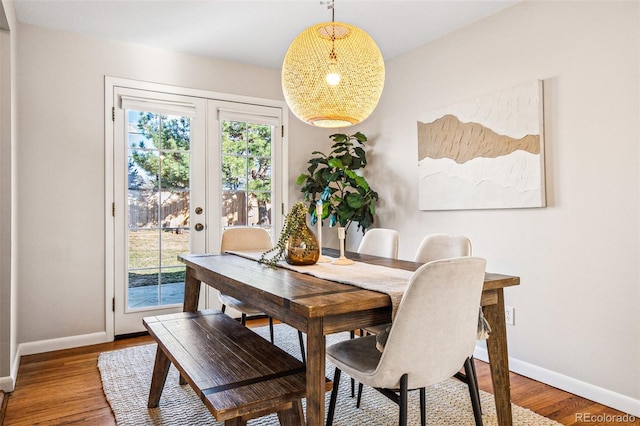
[253, 32]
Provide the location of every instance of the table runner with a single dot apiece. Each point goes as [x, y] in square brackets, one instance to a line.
[390, 281]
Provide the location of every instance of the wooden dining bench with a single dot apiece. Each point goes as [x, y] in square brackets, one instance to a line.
[235, 372]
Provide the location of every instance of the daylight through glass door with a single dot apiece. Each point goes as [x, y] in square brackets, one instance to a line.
[246, 174]
[158, 207]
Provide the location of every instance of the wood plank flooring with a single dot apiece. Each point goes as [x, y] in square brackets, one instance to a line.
[64, 387]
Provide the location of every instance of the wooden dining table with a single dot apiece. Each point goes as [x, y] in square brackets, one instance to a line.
[320, 307]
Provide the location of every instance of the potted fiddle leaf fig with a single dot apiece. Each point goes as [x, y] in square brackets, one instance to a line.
[346, 195]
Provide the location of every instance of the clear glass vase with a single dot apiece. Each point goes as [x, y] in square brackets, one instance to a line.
[302, 248]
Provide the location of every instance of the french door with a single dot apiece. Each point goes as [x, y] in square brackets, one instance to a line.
[159, 176]
[248, 186]
[184, 168]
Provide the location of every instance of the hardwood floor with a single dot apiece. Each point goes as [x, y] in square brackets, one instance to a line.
[553, 403]
[64, 387]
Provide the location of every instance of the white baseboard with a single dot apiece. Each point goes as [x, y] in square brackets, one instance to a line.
[586, 390]
[49, 345]
[7, 384]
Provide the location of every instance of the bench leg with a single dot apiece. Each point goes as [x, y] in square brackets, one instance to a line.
[235, 422]
[160, 371]
[292, 416]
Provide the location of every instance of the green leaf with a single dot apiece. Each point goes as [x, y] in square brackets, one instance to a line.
[360, 137]
[334, 176]
[362, 182]
[301, 179]
[339, 137]
[335, 162]
[347, 159]
[360, 154]
[317, 161]
[355, 201]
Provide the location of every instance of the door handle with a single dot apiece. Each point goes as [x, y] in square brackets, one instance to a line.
[199, 227]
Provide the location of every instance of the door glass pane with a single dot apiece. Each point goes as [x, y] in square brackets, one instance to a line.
[144, 246]
[173, 243]
[143, 288]
[172, 285]
[234, 172]
[259, 211]
[158, 210]
[234, 208]
[259, 140]
[246, 174]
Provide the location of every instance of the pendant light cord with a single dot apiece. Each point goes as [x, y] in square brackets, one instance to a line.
[330, 5]
[332, 55]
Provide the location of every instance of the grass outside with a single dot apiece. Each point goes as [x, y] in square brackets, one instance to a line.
[144, 265]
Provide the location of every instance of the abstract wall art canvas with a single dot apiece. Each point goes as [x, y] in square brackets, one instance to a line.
[485, 153]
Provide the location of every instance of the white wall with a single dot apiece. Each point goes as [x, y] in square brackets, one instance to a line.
[8, 282]
[61, 164]
[578, 305]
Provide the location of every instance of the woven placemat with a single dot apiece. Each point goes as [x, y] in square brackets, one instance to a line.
[126, 377]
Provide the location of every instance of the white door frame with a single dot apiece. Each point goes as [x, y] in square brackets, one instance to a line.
[110, 84]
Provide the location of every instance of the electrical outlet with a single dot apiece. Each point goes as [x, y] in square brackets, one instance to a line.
[509, 315]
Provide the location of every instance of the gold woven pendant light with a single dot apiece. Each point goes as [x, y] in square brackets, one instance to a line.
[332, 75]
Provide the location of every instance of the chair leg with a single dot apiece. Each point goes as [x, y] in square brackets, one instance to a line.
[359, 400]
[352, 335]
[470, 377]
[473, 391]
[302, 351]
[243, 321]
[334, 396]
[423, 407]
[271, 329]
[404, 396]
[224, 308]
[475, 380]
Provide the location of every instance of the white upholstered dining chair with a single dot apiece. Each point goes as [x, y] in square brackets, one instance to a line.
[432, 336]
[433, 247]
[380, 242]
[442, 246]
[255, 239]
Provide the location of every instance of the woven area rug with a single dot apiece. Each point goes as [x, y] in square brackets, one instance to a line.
[126, 377]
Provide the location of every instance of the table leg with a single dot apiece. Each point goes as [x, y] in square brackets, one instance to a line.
[316, 350]
[191, 292]
[499, 359]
